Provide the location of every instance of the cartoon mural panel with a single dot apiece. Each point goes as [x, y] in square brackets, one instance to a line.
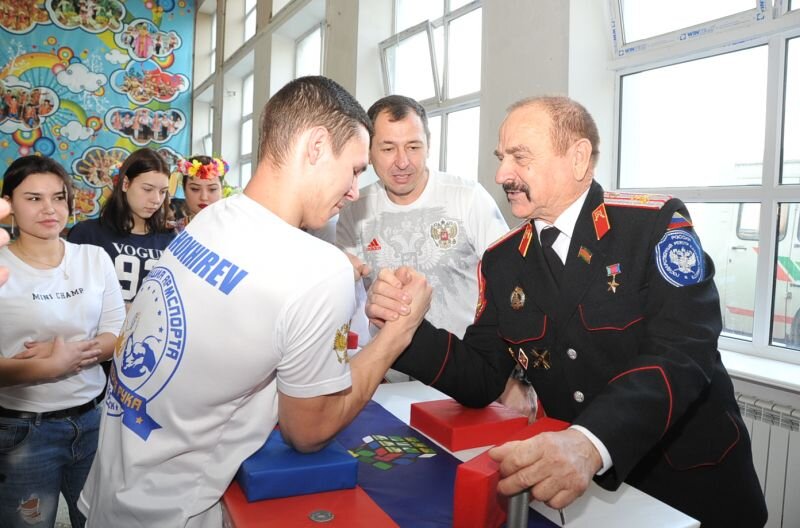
[89, 81]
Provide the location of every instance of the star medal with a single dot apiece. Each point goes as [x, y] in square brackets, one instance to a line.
[612, 271]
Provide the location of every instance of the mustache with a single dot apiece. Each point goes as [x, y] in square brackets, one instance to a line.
[509, 187]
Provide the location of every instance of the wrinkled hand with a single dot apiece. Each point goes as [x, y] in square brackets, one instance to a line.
[360, 269]
[558, 467]
[386, 298]
[63, 358]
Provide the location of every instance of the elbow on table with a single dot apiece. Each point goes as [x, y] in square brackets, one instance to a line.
[305, 443]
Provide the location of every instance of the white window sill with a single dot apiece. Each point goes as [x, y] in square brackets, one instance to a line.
[768, 372]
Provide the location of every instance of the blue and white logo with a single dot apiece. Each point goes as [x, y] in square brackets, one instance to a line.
[679, 258]
[148, 351]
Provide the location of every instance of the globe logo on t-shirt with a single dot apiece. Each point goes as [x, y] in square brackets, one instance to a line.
[148, 352]
[138, 359]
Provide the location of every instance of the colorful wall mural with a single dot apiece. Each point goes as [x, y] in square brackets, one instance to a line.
[89, 81]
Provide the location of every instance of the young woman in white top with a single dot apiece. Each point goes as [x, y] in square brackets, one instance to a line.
[61, 310]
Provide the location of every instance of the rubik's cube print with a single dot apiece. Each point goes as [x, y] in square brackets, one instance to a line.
[385, 452]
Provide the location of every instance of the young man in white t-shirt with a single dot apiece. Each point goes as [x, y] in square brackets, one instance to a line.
[243, 324]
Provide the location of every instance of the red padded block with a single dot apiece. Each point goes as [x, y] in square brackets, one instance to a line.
[457, 427]
[351, 508]
[476, 501]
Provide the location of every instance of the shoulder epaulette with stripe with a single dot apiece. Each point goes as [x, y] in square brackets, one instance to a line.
[508, 235]
[637, 200]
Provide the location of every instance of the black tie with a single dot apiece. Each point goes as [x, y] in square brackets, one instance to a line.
[548, 236]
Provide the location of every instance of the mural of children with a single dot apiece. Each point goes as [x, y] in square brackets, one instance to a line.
[116, 121]
[127, 123]
[13, 108]
[157, 45]
[45, 106]
[129, 36]
[36, 95]
[156, 126]
[143, 42]
[136, 126]
[145, 132]
[172, 43]
[31, 116]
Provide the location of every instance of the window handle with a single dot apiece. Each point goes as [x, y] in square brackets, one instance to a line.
[738, 248]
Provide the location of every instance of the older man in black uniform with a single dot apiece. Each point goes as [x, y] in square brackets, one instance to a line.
[607, 303]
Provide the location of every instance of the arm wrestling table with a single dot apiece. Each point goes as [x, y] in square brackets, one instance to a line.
[625, 508]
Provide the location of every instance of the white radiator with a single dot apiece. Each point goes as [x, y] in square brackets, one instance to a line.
[775, 435]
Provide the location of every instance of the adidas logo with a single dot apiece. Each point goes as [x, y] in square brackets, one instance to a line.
[374, 245]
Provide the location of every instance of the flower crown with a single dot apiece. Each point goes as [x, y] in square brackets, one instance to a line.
[216, 168]
[113, 172]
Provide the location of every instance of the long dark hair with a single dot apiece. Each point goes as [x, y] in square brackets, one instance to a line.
[116, 212]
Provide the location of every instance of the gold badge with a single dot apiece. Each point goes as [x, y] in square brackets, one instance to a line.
[340, 344]
[541, 359]
[522, 359]
[517, 298]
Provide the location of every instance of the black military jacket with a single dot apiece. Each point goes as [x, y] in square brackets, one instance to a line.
[627, 347]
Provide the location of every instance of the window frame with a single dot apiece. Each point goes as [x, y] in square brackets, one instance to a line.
[254, 12]
[441, 105]
[246, 157]
[321, 27]
[775, 30]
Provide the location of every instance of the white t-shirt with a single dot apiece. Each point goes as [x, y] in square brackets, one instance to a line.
[240, 306]
[39, 305]
[443, 235]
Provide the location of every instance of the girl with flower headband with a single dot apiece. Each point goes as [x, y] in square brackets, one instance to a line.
[203, 185]
[132, 227]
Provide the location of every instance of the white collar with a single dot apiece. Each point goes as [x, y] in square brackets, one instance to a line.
[566, 221]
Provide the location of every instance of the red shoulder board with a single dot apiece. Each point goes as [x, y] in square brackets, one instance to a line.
[639, 201]
[508, 235]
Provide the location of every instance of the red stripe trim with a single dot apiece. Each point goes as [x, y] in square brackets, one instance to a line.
[720, 459]
[446, 357]
[481, 292]
[544, 330]
[666, 383]
[592, 329]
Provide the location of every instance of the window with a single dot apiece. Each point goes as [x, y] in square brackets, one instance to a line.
[213, 55]
[462, 142]
[207, 138]
[648, 19]
[435, 58]
[702, 120]
[277, 5]
[411, 12]
[308, 53]
[249, 18]
[791, 127]
[203, 122]
[714, 118]
[246, 139]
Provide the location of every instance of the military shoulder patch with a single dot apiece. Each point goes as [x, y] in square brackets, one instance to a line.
[507, 236]
[678, 221]
[679, 258]
[639, 201]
